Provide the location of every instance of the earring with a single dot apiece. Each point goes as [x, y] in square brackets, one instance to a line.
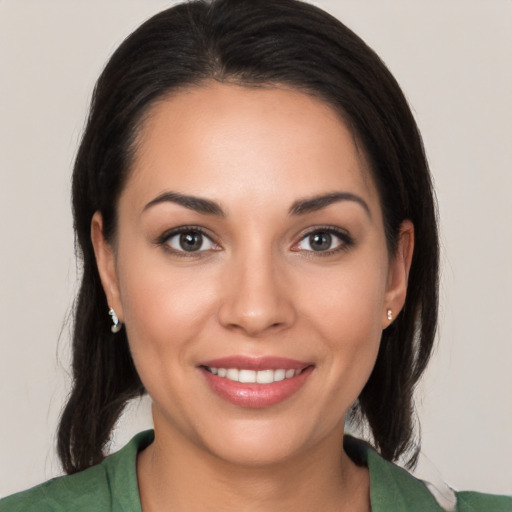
[117, 325]
[390, 315]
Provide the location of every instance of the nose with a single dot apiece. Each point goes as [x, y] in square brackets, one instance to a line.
[257, 299]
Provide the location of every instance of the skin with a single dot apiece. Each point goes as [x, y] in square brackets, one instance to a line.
[255, 288]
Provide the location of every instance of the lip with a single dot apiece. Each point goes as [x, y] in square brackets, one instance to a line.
[254, 395]
[257, 363]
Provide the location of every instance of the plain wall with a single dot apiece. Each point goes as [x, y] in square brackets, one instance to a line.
[453, 60]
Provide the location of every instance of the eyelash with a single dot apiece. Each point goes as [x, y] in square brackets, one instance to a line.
[346, 241]
[164, 238]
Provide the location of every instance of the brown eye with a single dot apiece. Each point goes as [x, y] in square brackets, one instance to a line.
[320, 241]
[324, 241]
[190, 241]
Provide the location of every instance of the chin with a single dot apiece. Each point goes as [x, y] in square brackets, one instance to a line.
[251, 453]
[260, 443]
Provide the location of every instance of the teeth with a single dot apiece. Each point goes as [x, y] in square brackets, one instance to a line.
[265, 376]
[246, 376]
[279, 375]
[253, 376]
[232, 374]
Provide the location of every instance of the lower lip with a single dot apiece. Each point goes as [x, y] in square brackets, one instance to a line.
[256, 395]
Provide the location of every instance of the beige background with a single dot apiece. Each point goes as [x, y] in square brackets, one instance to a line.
[453, 60]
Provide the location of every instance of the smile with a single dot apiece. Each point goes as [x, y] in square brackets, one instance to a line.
[252, 376]
[255, 382]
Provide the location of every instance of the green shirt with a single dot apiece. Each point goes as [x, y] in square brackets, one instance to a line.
[112, 487]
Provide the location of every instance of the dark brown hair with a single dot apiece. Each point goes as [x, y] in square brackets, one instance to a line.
[252, 43]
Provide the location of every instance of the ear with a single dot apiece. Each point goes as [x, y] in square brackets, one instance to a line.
[105, 260]
[398, 273]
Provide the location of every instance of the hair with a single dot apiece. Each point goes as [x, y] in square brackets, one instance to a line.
[253, 43]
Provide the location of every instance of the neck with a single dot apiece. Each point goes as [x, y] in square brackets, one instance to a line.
[174, 474]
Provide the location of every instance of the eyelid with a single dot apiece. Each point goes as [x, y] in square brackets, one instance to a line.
[163, 239]
[345, 238]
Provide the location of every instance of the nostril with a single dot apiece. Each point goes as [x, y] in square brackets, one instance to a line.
[255, 309]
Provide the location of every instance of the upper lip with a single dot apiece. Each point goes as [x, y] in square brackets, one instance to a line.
[256, 363]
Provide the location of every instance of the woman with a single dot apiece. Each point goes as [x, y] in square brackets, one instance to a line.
[255, 217]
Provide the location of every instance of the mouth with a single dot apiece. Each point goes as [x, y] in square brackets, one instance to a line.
[253, 376]
[256, 382]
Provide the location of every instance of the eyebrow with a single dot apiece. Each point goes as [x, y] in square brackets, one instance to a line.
[313, 204]
[300, 207]
[198, 204]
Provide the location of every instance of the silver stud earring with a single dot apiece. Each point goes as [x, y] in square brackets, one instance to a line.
[390, 315]
[117, 325]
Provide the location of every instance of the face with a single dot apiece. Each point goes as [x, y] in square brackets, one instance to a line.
[251, 270]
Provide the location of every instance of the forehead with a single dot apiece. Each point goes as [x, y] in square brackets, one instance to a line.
[227, 141]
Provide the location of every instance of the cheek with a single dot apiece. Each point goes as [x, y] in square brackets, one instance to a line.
[163, 307]
[349, 300]
[347, 312]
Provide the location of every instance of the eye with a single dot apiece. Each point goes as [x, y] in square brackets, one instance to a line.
[188, 240]
[323, 241]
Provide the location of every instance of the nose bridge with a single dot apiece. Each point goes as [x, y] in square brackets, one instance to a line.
[255, 295]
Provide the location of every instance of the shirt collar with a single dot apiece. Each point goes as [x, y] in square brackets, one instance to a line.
[391, 487]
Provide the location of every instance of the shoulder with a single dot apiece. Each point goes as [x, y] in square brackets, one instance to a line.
[394, 489]
[108, 486]
[71, 492]
[468, 501]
